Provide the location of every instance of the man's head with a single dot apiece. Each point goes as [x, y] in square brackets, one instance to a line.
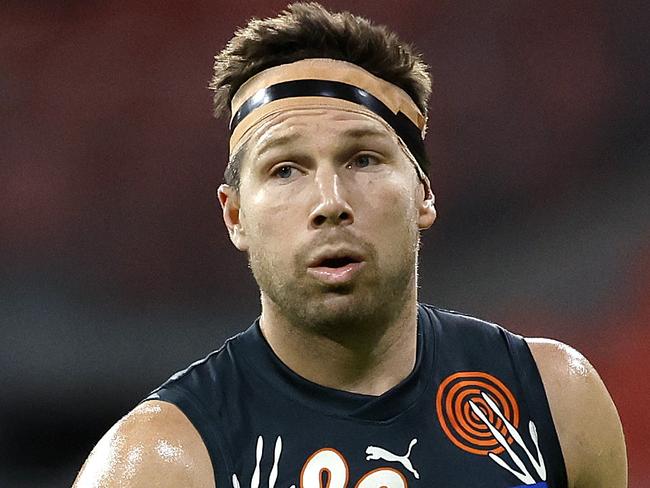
[326, 187]
[307, 30]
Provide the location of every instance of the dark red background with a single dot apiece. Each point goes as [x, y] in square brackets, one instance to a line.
[115, 270]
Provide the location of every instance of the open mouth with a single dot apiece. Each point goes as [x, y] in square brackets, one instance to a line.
[336, 262]
[336, 270]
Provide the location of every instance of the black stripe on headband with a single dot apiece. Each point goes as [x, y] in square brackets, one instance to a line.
[400, 123]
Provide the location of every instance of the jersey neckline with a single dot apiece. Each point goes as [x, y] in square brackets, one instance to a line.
[257, 356]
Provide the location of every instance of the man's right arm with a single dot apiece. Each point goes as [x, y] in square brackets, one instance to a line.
[154, 445]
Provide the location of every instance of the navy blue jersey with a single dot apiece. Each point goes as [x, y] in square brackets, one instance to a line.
[473, 413]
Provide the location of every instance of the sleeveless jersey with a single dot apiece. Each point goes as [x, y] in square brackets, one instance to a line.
[472, 413]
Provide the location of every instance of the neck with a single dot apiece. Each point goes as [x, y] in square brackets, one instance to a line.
[371, 359]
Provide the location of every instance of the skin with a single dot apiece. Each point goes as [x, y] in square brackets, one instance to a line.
[318, 181]
[315, 181]
[585, 417]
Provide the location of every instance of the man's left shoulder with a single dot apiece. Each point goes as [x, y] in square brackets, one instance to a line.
[585, 417]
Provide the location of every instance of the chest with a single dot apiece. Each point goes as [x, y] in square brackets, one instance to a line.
[294, 448]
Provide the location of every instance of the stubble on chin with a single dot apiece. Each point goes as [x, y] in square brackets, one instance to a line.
[374, 298]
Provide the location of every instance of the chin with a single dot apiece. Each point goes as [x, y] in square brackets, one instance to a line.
[336, 311]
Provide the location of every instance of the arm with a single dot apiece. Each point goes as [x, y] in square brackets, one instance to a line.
[154, 445]
[586, 420]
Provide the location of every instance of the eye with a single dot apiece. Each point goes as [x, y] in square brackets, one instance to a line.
[284, 172]
[363, 161]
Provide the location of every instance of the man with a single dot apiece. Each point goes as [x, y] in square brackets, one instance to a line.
[345, 380]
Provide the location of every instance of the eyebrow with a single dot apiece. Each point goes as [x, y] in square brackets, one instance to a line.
[276, 141]
[356, 133]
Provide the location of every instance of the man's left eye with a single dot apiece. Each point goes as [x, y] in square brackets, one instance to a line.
[362, 161]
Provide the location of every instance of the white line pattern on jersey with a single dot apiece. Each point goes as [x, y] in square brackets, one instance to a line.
[522, 472]
[273, 476]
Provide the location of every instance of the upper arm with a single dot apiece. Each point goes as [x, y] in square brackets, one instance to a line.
[154, 445]
[586, 420]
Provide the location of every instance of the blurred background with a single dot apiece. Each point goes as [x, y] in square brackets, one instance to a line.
[115, 268]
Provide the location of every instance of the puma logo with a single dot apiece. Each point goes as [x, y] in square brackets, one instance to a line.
[375, 453]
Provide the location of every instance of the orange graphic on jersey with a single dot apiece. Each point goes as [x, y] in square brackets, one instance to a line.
[461, 424]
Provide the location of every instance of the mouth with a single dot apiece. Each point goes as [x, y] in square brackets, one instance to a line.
[337, 269]
[338, 262]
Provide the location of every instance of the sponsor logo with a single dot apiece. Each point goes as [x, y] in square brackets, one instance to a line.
[376, 453]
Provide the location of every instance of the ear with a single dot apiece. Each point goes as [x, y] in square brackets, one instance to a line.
[426, 205]
[230, 204]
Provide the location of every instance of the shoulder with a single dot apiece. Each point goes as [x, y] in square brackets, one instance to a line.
[154, 445]
[586, 420]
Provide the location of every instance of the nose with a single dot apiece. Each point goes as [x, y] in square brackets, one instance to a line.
[332, 207]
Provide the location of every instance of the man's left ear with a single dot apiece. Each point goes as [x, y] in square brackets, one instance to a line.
[426, 206]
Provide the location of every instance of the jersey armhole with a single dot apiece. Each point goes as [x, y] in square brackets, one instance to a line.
[527, 373]
[192, 409]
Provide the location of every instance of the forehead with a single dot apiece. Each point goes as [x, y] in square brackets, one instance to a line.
[317, 124]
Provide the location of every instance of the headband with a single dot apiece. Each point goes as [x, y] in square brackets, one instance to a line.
[328, 83]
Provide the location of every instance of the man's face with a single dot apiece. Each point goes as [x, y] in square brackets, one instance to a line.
[329, 210]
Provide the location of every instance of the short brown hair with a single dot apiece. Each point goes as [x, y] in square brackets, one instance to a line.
[308, 30]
